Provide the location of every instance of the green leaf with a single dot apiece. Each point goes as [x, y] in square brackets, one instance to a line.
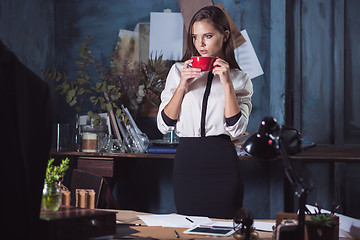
[111, 88]
[72, 93]
[101, 99]
[80, 73]
[58, 77]
[93, 99]
[90, 113]
[81, 91]
[109, 107]
[95, 116]
[96, 122]
[118, 112]
[81, 81]
[73, 102]
[81, 64]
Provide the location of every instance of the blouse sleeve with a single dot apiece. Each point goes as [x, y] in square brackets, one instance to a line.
[244, 91]
[172, 82]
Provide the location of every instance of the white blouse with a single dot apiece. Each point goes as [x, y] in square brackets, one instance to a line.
[188, 123]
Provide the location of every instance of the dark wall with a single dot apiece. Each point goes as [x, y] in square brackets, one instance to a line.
[27, 29]
[323, 51]
[352, 72]
[101, 20]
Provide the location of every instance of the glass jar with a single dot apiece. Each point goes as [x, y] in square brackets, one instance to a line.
[92, 137]
[51, 198]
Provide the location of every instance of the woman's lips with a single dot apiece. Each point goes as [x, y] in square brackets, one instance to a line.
[203, 52]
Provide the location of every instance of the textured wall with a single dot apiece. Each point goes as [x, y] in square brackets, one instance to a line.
[352, 72]
[323, 71]
[27, 29]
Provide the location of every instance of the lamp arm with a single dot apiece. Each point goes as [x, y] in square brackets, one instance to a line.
[300, 188]
[290, 173]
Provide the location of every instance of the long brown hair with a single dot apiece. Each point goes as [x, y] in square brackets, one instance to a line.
[220, 22]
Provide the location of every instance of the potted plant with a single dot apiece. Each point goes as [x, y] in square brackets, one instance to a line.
[51, 198]
[323, 226]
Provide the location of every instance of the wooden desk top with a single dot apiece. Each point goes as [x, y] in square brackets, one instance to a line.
[114, 155]
[321, 153]
[330, 153]
[126, 220]
[126, 228]
[76, 223]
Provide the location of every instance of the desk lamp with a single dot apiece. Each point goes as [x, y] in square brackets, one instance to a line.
[267, 143]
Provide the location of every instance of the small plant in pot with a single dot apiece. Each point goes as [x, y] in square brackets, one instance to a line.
[51, 198]
[323, 226]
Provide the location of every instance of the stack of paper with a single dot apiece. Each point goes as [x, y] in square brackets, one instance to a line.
[181, 221]
[174, 220]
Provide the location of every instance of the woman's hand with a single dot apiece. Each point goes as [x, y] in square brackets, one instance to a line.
[222, 69]
[172, 109]
[188, 73]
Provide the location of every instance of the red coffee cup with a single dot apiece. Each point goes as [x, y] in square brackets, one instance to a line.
[205, 63]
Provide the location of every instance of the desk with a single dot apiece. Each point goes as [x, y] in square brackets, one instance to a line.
[127, 217]
[107, 164]
[117, 165]
[76, 223]
[126, 220]
[330, 153]
[320, 154]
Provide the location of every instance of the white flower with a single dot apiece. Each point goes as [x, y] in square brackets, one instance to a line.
[141, 91]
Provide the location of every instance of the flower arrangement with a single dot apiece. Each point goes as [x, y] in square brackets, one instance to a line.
[139, 81]
[122, 83]
[51, 197]
[102, 94]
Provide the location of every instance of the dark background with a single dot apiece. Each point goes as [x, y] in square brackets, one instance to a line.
[308, 49]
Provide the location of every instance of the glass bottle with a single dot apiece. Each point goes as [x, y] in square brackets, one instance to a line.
[51, 198]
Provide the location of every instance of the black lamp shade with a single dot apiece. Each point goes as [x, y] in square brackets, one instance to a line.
[260, 144]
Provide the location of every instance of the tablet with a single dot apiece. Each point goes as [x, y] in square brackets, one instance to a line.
[214, 231]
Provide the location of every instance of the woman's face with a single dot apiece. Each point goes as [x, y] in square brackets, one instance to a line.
[207, 40]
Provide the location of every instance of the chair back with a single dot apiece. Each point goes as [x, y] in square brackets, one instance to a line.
[84, 180]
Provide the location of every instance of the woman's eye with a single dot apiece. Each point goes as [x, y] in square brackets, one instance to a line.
[208, 36]
[194, 37]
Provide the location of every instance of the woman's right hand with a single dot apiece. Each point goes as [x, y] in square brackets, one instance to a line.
[188, 73]
[172, 109]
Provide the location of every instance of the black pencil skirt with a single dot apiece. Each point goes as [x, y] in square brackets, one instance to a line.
[206, 177]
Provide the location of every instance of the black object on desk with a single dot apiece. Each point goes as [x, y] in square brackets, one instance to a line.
[76, 223]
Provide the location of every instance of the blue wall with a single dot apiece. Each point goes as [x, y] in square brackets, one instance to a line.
[27, 29]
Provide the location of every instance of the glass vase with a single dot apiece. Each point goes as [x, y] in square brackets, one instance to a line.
[51, 198]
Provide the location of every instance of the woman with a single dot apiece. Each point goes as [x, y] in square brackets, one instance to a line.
[205, 109]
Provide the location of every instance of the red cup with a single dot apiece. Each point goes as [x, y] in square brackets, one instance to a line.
[205, 63]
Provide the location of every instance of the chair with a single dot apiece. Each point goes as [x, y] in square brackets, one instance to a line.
[85, 180]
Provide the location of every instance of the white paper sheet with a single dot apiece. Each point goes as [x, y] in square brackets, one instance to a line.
[174, 220]
[263, 226]
[247, 59]
[166, 35]
[347, 224]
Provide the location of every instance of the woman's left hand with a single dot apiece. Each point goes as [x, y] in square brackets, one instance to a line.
[222, 69]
